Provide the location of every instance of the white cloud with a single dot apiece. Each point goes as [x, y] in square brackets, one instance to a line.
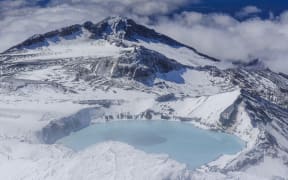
[226, 38]
[217, 35]
[248, 10]
[138, 7]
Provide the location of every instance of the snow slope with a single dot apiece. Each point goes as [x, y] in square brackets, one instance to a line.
[111, 160]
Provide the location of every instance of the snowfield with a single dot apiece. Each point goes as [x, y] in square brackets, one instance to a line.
[57, 83]
[111, 160]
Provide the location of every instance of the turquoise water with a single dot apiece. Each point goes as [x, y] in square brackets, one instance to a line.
[181, 141]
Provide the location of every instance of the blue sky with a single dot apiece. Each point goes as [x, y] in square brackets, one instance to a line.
[221, 6]
[232, 6]
[231, 30]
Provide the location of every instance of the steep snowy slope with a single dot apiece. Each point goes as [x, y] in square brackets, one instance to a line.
[61, 81]
[91, 39]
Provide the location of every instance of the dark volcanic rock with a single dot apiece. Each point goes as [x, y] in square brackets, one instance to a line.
[141, 64]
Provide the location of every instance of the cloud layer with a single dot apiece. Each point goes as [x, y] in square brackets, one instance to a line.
[138, 7]
[224, 37]
[217, 35]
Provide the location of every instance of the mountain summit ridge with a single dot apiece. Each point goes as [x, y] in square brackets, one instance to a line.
[115, 29]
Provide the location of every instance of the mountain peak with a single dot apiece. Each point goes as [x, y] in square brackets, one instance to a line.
[116, 26]
[120, 28]
[116, 20]
[117, 30]
[113, 29]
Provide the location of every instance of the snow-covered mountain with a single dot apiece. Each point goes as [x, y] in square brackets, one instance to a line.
[61, 81]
